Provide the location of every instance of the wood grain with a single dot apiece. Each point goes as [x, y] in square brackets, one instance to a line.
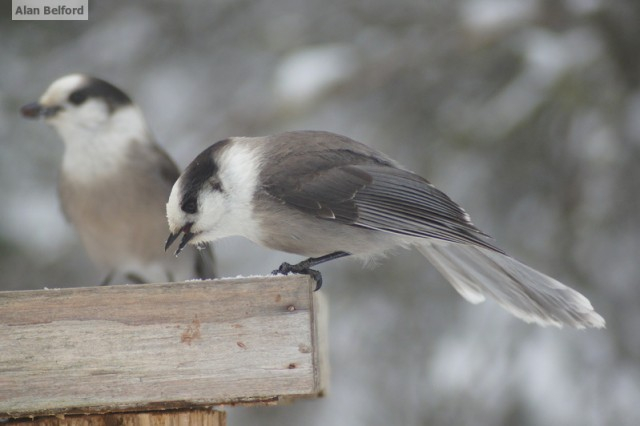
[197, 417]
[160, 346]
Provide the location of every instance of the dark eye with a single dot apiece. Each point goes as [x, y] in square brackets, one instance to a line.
[216, 185]
[190, 206]
[78, 97]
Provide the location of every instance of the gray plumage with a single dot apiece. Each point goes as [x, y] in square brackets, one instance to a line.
[315, 193]
[114, 181]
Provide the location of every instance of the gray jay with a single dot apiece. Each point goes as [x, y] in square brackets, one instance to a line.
[114, 181]
[325, 196]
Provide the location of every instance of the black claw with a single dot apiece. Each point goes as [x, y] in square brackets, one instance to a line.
[304, 267]
[317, 276]
[300, 268]
[283, 269]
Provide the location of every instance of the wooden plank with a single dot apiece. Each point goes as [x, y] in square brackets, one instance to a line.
[197, 417]
[159, 346]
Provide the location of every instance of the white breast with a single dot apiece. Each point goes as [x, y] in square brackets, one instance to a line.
[98, 150]
[239, 170]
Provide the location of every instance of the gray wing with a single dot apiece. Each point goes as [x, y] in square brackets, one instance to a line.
[167, 169]
[380, 197]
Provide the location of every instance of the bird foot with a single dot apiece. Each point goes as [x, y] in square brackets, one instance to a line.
[300, 268]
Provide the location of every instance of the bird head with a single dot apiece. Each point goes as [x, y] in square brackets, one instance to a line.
[78, 103]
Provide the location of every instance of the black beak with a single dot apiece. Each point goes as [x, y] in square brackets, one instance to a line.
[35, 110]
[188, 235]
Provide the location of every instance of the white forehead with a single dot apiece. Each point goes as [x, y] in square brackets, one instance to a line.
[60, 89]
[175, 215]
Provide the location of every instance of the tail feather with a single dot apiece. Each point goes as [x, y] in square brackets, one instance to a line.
[476, 272]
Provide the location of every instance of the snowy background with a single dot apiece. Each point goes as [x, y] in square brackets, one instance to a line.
[525, 112]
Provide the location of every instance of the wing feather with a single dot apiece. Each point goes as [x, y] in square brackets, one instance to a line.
[377, 196]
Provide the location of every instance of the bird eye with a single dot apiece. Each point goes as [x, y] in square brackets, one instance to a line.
[189, 206]
[78, 97]
[216, 185]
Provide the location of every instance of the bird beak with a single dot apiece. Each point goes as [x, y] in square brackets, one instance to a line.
[36, 110]
[188, 235]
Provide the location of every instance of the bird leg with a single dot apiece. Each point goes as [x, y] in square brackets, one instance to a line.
[305, 266]
[135, 278]
[108, 278]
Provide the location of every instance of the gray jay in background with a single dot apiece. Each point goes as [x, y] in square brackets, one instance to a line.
[114, 181]
[326, 196]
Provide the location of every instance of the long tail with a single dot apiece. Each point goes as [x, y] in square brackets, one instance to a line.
[476, 272]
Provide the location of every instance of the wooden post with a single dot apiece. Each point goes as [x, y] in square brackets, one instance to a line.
[150, 347]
